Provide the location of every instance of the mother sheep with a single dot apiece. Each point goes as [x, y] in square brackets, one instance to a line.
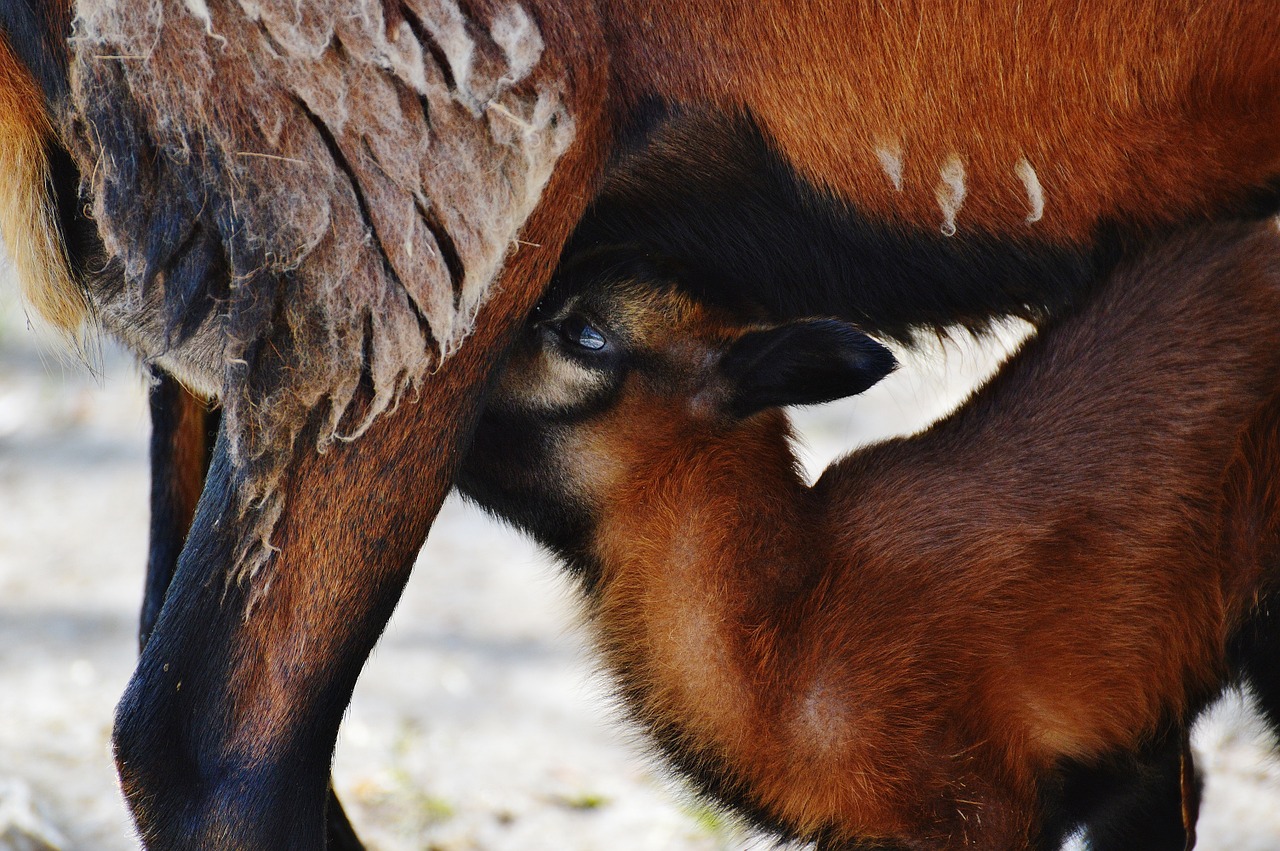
[330, 216]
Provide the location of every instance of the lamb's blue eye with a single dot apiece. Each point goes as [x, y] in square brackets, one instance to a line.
[575, 330]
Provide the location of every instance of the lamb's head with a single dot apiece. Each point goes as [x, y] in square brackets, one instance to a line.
[625, 372]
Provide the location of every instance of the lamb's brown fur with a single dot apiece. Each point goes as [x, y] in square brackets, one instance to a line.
[908, 651]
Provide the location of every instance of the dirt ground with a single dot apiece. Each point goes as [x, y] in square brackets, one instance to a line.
[479, 723]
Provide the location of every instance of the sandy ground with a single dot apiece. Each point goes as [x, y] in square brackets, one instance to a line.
[479, 723]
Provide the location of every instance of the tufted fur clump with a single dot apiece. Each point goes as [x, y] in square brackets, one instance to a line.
[305, 197]
[28, 215]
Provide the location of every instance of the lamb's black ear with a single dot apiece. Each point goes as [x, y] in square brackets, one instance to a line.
[802, 363]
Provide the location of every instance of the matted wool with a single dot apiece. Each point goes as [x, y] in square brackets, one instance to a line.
[319, 191]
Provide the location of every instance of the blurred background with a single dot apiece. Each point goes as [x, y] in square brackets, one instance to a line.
[480, 722]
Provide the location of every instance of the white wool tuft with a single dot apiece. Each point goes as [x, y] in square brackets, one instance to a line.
[200, 10]
[891, 161]
[519, 39]
[1035, 193]
[950, 192]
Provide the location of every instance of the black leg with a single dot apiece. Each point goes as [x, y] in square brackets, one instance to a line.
[183, 430]
[340, 834]
[183, 433]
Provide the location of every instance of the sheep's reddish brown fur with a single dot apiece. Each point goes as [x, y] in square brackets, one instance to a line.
[1138, 113]
[907, 650]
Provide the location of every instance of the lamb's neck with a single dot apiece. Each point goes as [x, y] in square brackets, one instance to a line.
[699, 557]
[714, 613]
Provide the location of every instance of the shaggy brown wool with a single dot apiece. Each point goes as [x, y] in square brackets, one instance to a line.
[322, 198]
